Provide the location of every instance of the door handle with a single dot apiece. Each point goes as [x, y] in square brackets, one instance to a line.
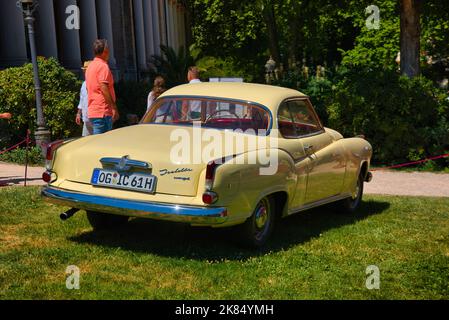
[308, 148]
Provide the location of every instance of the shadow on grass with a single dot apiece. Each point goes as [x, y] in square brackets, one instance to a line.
[178, 240]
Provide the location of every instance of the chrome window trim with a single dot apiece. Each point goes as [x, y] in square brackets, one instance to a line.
[310, 106]
[250, 103]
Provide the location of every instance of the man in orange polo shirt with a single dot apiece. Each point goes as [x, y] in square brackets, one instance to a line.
[102, 110]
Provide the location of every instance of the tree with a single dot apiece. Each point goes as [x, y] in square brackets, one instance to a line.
[172, 65]
[270, 21]
[410, 37]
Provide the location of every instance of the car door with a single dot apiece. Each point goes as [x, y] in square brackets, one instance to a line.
[325, 166]
[292, 144]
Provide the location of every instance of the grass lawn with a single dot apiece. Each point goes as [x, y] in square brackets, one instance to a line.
[314, 255]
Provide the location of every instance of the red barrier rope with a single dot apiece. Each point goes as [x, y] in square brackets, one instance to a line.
[27, 141]
[15, 146]
[411, 163]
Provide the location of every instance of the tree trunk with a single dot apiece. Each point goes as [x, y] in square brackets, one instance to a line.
[410, 37]
[270, 21]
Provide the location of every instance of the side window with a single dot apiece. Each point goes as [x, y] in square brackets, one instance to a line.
[285, 122]
[305, 121]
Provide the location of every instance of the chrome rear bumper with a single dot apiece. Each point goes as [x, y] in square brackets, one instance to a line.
[161, 211]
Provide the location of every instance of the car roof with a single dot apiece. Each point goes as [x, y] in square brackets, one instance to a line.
[269, 96]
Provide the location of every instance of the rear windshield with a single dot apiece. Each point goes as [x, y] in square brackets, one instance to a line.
[212, 113]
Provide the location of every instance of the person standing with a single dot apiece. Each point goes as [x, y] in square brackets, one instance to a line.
[83, 106]
[158, 89]
[102, 108]
[193, 76]
[192, 110]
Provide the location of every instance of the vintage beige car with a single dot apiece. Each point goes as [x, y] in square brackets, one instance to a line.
[211, 154]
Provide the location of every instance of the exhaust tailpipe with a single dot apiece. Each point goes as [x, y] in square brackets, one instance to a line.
[369, 177]
[68, 214]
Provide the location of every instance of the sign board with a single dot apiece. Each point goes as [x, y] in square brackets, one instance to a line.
[226, 80]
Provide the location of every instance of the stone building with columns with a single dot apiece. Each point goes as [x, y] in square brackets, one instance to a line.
[135, 29]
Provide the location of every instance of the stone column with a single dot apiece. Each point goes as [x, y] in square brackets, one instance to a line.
[148, 25]
[163, 22]
[176, 25]
[88, 25]
[47, 44]
[156, 28]
[173, 25]
[169, 23]
[68, 39]
[13, 50]
[104, 23]
[183, 28]
[140, 34]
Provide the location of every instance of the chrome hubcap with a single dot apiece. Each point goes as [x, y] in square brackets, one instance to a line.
[261, 217]
[357, 191]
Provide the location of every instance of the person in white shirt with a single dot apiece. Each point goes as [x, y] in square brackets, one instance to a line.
[158, 89]
[193, 110]
[83, 107]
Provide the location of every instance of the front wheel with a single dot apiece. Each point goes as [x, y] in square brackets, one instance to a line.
[258, 228]
[350, 205]
[102, 221]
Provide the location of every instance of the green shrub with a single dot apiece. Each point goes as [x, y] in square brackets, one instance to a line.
[60, 94]
[213, 67]
[18, 156]
[173, 65]
[403, 118]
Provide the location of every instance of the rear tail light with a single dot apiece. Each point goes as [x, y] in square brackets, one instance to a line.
[46, 176]
[49, 176]
[210, 173]
[210, 197]
[51, 148]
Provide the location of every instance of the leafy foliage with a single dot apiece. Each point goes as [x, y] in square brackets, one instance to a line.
[173, 65]
[19, 155]
[403, 118]
[60, 94]
[218, 67]
[224, 27]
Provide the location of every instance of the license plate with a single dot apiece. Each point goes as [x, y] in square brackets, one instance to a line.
[120, 180]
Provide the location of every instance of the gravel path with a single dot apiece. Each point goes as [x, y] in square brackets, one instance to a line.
[408, 183]
[384, 182]
[14, 175]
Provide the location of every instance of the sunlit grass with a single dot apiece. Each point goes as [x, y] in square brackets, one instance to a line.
[314, 255]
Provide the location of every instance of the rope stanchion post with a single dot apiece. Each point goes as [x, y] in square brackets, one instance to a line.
[26, 157]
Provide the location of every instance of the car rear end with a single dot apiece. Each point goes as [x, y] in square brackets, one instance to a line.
[108, 174]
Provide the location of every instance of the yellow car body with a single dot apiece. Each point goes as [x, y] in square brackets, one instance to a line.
[312, 169]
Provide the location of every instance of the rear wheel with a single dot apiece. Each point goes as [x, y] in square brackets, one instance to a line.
[102, 221]
[350, 205]
[258, 228]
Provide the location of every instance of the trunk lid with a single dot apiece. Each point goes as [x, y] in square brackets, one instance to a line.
[176, 164]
